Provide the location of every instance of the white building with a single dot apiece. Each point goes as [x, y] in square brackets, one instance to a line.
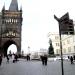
[55, 42]
[68, 43]
[43, 51]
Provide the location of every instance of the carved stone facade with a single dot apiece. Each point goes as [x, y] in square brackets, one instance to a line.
[10, 27]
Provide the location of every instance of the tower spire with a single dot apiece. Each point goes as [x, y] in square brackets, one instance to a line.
[13, 5]
[3, 7]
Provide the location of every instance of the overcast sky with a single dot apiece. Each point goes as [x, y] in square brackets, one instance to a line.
[38, 20]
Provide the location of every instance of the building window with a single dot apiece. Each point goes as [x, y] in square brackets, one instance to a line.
[69, 49]
[6, 20]
[10, 20]
[16, 20]
[68, 41]
[64, 50]
[57, 51]
[56, 37]
[57, 44]
[63, 43]
[74, 48]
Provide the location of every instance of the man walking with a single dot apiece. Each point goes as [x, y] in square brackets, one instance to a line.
[44, 59]
[71, 59]
[0, 59]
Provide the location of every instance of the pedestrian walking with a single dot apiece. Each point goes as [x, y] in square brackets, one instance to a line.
[74, 57]
[44, 59]
[71, 59]
[16, 57]
[28, 57]
[0, 59]
[68, 57]
[7, 58]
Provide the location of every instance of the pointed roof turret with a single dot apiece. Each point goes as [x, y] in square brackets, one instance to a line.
[3, 7]
[13, 5]
[21, 8]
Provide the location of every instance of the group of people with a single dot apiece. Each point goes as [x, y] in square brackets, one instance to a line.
[15, 59]
[72, 58]
[43, 58]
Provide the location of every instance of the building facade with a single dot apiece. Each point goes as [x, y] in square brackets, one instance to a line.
[68, 44]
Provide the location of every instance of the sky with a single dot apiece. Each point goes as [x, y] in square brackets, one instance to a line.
[38, 20]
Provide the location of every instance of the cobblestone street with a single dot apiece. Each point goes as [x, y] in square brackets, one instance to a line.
[24, 67]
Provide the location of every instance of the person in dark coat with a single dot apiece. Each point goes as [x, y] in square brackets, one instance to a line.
[68, 57]
[7, 58]
[71, 59]
[16, 57]
[44, 59]
[0, 59]
[74, 57]
[28, 57]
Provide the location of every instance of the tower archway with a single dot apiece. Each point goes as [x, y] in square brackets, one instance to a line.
[7, 44]
[12, 49]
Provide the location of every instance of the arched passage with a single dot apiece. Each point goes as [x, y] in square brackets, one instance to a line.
[12, 49]
[6, 46]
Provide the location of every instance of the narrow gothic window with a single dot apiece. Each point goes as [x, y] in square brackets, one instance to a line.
[10, 20]
[16, 20]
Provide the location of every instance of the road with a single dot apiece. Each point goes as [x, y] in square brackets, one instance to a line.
[24, 67]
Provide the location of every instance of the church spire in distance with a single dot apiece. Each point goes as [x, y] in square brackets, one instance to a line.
[13, 5]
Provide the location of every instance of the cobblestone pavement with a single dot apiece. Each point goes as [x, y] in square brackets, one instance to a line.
[24, 67]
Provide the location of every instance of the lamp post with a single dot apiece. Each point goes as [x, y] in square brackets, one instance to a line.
[60, 45]
[66, 26]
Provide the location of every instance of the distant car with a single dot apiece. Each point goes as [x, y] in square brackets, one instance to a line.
[50, 59]
[35, 58]
[65, 58]
[59, 58]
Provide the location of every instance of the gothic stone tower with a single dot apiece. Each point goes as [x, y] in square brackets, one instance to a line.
[10, 27]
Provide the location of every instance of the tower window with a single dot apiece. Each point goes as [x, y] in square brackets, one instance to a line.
[16, 20]
[10, 20]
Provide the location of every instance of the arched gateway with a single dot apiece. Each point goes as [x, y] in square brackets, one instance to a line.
[10, 27]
